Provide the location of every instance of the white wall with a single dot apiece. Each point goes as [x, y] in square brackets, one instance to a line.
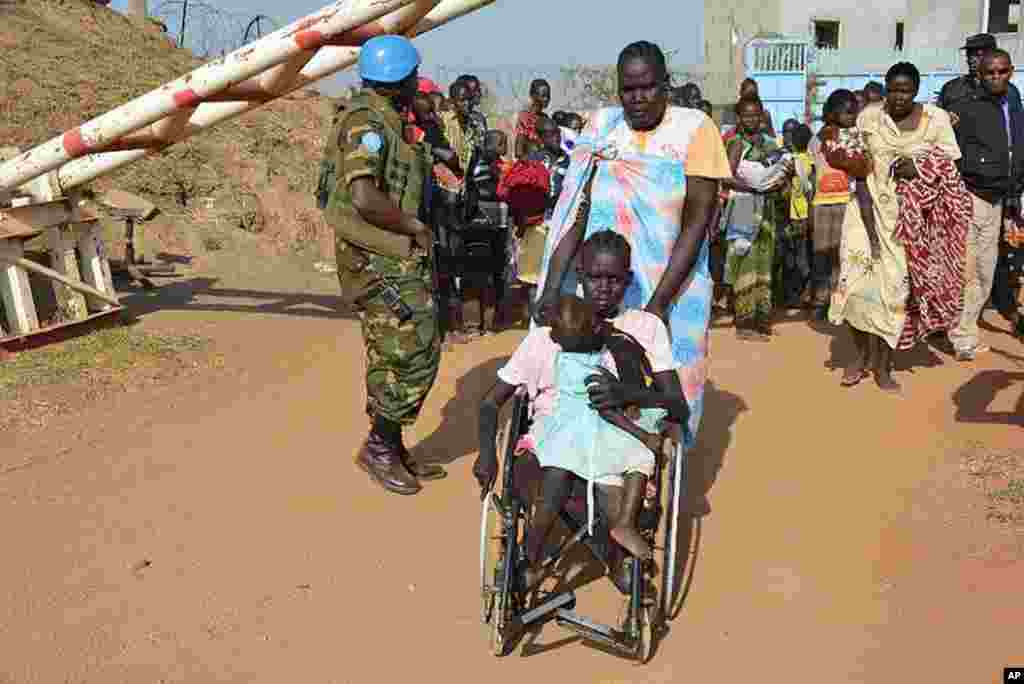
[938, 23]
[862, 23]
[871, 24]
[723, 71]
[867, 28]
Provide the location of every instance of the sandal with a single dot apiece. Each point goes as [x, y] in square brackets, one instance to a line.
[853, 380]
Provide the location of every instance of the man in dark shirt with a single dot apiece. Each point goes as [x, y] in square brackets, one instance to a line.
[963, 87]
[990, 137]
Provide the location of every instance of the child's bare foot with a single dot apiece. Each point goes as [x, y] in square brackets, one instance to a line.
[629, 538]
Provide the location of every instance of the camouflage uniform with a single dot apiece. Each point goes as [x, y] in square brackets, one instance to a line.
[401, 358]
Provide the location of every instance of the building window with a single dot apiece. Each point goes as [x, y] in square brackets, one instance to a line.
[1003, 16]
[826, 34]
[899, 36]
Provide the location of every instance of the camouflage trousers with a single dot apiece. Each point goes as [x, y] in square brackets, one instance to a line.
[402, 358]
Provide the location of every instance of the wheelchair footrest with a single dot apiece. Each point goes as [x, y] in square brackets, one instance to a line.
[593, 631]
[564, 601]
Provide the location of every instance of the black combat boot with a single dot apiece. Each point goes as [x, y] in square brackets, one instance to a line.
[381, 458]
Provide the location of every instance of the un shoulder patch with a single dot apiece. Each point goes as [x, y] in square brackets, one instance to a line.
[371, 142]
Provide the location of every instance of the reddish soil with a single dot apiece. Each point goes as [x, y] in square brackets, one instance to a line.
[213, 528]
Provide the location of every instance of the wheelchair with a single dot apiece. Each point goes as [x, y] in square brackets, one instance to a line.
[507, 612]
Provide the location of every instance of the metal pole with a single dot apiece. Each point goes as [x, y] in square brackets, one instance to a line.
[181, 33]
[327, 61]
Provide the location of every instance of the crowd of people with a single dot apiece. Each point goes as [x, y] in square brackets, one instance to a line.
[897, 220]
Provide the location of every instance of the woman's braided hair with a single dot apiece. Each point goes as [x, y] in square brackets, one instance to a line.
[647, 52]
[904, 69]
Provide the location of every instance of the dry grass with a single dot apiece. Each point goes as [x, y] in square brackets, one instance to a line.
[102, 352]
[66, 61]
[1000, 477]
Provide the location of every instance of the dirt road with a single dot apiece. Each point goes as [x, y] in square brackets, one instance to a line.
[216, 530]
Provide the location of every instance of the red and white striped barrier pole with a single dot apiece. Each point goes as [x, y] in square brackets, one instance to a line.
[303, 52]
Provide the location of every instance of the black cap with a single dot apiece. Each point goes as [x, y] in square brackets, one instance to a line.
[982, 41]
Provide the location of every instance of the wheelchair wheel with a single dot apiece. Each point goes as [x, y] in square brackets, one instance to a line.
[645, 635]
[497, 557]
[491, 531]
[674, 485]
[500, 547]
[490, 555]
[499, 622]
[504, 602]
[641, 623]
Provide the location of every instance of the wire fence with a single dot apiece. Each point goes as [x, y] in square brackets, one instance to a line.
[573, 87]
[210, 31]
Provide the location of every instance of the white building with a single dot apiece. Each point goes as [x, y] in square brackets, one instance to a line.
[860, 31]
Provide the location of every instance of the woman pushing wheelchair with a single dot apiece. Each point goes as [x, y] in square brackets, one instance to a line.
[650, 171]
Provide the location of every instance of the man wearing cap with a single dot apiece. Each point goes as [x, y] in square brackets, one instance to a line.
[991, 140]
[384, 256]
[964, 87]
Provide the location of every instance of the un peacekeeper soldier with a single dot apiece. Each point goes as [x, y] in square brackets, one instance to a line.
[384, 256]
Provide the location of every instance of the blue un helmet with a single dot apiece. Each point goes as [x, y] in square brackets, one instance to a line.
[388, 59]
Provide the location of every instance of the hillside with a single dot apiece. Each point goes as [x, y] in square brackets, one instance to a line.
[66, 61]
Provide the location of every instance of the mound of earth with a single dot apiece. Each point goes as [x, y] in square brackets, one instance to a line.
[67, 61]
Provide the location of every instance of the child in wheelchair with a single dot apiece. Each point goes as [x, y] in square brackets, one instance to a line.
[590, 422]
[614, 447]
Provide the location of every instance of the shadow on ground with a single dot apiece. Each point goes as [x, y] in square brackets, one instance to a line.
[457, 437]
[842, 352]
[721, 411]
[201, 294]
[973, 398]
